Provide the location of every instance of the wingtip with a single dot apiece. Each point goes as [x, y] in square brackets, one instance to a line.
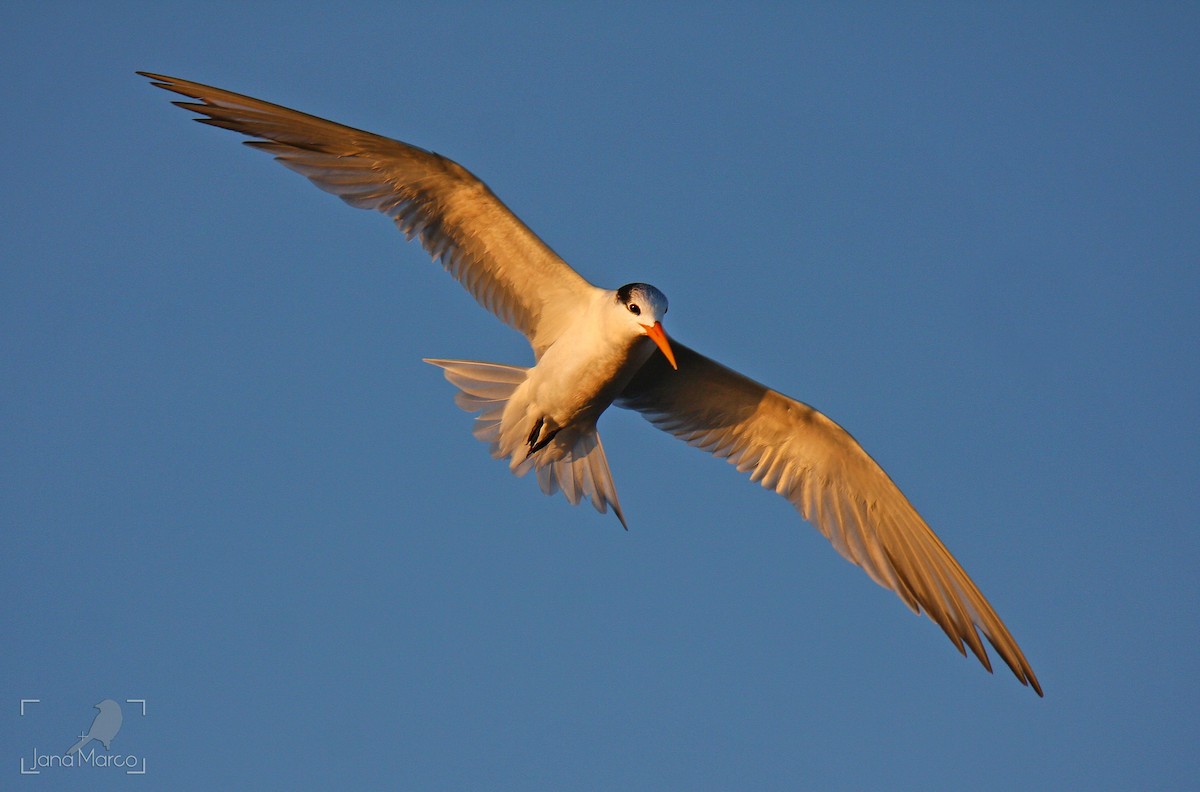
[158, 80]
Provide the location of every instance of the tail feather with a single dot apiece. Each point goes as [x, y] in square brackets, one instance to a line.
[583, 473]
[605, 488]
[573, 463]
[484, 388]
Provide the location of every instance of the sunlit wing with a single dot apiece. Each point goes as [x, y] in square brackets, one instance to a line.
[503, 264]
[796, 451]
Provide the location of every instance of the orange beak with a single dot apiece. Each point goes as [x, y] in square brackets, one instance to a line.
[657, 335]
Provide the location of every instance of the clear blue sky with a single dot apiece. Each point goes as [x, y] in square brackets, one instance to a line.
[229, 486]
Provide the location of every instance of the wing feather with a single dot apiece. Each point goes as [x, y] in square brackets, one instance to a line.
[791, 448]
[457, 219]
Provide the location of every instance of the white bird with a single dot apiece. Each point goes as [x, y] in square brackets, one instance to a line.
[594, 347]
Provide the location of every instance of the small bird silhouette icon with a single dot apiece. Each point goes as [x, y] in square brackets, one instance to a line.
[104, 727]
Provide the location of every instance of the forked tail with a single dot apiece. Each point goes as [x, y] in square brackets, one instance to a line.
[573, 462]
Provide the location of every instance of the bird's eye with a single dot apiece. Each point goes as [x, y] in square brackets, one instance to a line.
[634, 309]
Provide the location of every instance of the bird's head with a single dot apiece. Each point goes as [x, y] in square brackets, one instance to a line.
[645, 306]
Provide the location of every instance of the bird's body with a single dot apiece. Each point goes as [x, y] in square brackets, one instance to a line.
[544, 418]
[595, 347]
[582, 372]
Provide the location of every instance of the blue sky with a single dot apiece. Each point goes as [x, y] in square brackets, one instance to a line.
[228, 485]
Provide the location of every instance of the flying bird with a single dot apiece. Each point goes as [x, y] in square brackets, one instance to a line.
[596, 347]
[104, 728]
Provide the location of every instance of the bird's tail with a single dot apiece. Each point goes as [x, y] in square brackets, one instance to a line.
[573, 462]
[84, 741]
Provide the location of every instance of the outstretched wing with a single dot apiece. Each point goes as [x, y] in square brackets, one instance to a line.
[503, 264]
[791, 448]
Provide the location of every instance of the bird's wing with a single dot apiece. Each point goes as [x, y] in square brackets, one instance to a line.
[796, 451]
[503, 264]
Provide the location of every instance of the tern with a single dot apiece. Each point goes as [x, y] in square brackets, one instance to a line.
[597, 347]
